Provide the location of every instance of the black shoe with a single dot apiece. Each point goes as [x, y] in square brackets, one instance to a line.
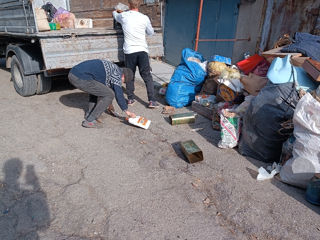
[131, 102]
[93, 124]
[153, 104]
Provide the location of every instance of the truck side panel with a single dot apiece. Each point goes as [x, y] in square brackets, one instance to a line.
[16, 16]
[67, 52]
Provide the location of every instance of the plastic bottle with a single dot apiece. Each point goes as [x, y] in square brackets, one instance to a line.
[246, 55]
[140, 122]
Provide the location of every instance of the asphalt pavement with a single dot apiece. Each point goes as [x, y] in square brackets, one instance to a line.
[59, 180]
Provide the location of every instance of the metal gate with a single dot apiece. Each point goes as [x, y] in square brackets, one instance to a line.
[219, 21]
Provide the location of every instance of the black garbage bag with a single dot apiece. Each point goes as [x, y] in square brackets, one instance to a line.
[262, 131]
[50, 10]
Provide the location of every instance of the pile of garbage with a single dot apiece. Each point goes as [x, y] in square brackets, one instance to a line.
[268, 104]
[51, 18]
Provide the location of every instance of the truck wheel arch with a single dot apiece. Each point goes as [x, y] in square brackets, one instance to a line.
[9, 59]
[29, 56]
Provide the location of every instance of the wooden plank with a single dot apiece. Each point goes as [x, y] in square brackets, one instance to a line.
[312, 68]
[103, 23]
[94, 14]
[298, 61]
[84, 5]
[276, 52]
[96, 9]
[113, 3]
[202, 110]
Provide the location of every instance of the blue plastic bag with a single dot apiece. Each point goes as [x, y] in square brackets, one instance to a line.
[186, 80]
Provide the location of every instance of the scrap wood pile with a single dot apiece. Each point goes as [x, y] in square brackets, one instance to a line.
[267, 104]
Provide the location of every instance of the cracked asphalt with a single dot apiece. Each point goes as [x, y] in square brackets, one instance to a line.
[61, 181]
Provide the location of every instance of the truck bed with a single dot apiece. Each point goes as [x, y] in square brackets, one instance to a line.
[66, 49]
[69, 32]
[62, 49]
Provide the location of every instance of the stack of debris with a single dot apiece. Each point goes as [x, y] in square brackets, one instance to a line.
[272, 97]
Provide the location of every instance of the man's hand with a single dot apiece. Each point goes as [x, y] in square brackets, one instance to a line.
[130, 114]
[110, 108]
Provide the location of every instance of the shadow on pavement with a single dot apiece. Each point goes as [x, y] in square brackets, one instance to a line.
[203, 127]
[176, 147]
[3, 65]
[138, 99]
[75, 100]
[61, 83]
[294, 192]
[24, 211]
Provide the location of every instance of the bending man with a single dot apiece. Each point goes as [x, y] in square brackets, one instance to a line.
[103, 80]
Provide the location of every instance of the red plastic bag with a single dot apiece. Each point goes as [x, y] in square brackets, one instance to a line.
[249, 64]
[262, 68]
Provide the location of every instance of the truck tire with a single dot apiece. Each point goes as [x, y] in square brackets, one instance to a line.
[24, 85]
[44, 84]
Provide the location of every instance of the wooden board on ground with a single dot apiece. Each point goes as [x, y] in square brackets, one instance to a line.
[202, 110]
[276, 52]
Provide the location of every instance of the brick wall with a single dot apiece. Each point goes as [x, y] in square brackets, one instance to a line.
[101, 11]
[153, 11]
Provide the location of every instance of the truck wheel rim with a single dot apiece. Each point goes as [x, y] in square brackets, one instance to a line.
[17, 76]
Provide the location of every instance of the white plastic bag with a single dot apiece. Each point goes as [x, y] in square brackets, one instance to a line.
[305, 162]
[243, 107]
[264, 175]
[121, 7]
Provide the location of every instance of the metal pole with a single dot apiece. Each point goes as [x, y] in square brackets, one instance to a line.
[199, 25]
[225, 40]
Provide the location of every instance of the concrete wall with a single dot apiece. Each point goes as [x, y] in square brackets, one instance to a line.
[250, 20]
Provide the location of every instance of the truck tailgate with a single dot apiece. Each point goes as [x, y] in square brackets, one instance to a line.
[66, 52]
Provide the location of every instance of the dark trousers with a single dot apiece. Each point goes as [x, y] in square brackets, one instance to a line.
[140, 59]
[100, 96]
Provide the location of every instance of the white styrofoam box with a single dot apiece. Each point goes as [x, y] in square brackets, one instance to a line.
[83, 23]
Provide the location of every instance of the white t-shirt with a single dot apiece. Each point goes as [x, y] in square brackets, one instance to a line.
[135, 26]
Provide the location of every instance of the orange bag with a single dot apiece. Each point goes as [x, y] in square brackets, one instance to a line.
[249, 64]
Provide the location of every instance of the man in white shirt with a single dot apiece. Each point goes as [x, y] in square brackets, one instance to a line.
[135, 26]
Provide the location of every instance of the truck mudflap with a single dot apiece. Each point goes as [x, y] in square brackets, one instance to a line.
[64, 53]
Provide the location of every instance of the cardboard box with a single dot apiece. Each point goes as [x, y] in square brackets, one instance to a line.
[42, 20]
